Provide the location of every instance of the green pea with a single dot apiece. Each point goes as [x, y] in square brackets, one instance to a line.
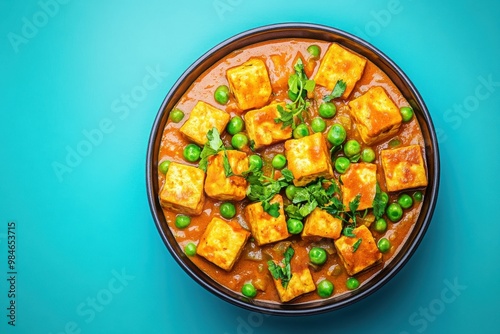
[336, 135]
[352, 148]
[318, 125]
[317, 255]
[190, 249]
[342, 164]
[352, 283]
[227, 210]
[290, 191]
[394, 142]
[182, 221]
[394, 212]
[239, 141]
[384, 245]
[325, 288]
[163, 167]
[294, 226]
[405, 201]
[248, 290]
[192, 152]
[221, 94]
[406, 113]
[300, 131]
[380, 225]
[255, 162]
[235, 125]
[327, 109]
[368, 155]
[314, 50]
[385, 197]
[418, 196]
[176, 115]
[279, 161]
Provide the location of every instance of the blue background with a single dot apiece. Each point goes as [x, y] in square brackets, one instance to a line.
[88, 256]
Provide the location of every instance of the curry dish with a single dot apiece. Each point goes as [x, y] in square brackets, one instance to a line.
[292, 170]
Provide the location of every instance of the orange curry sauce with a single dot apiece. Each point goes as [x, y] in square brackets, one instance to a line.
[280, 56]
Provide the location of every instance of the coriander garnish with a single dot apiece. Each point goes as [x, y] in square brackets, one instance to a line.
[298, 85]
[282, 272]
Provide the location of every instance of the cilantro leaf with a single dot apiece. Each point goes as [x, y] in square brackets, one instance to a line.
[350, 219]
[379, 204]
[356, 245]
[354, 204]
[337, 91]
[213, 146]
[282, 272]
[263, 188]
[298, 85]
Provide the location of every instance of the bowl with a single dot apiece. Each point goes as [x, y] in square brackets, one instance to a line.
[295, 30]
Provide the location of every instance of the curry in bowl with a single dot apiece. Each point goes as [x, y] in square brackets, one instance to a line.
[291, 170]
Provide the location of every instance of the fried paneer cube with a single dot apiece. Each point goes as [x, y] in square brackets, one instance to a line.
[250, 84]
[264, 227]
[203, 118]
[300, 283]
[183, 189]
[365, 255]
[222, 242]
[262, 128]
[404, 168]
[308, 158]
[340, 64]
[223, 188]
[320, 224]
[359, 179]
[375, 115]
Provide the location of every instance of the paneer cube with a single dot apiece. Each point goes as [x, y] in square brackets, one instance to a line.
[404, 168]
[266, 228]
[223, 188]
[360, 179]
[320, 224]
[203, 118]
[300, 283]
[308, 158]
[222, 242]
[340, 64]
[365, 255]
[375, 115]
[250, 84]
[262, 128]
[183, 189]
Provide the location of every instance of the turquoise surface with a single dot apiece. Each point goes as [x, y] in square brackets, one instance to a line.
[80, 85]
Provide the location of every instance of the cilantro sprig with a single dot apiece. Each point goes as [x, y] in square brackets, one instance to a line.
[379, 204]
[263, 188]
[282, 271]
[213, 146]
[298, 85]
[337, 91]
[356, 245]
[350, 219]
[314, 195]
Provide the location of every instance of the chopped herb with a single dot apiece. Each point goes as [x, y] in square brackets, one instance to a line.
[282, 271]
[350, 220]
[378, 204]
[213, 146]
[356, 245]
[314, 195]
[338, 90]
[263, 188]
[298, 84]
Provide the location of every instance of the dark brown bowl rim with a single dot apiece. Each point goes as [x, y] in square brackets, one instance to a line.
[309, 31]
